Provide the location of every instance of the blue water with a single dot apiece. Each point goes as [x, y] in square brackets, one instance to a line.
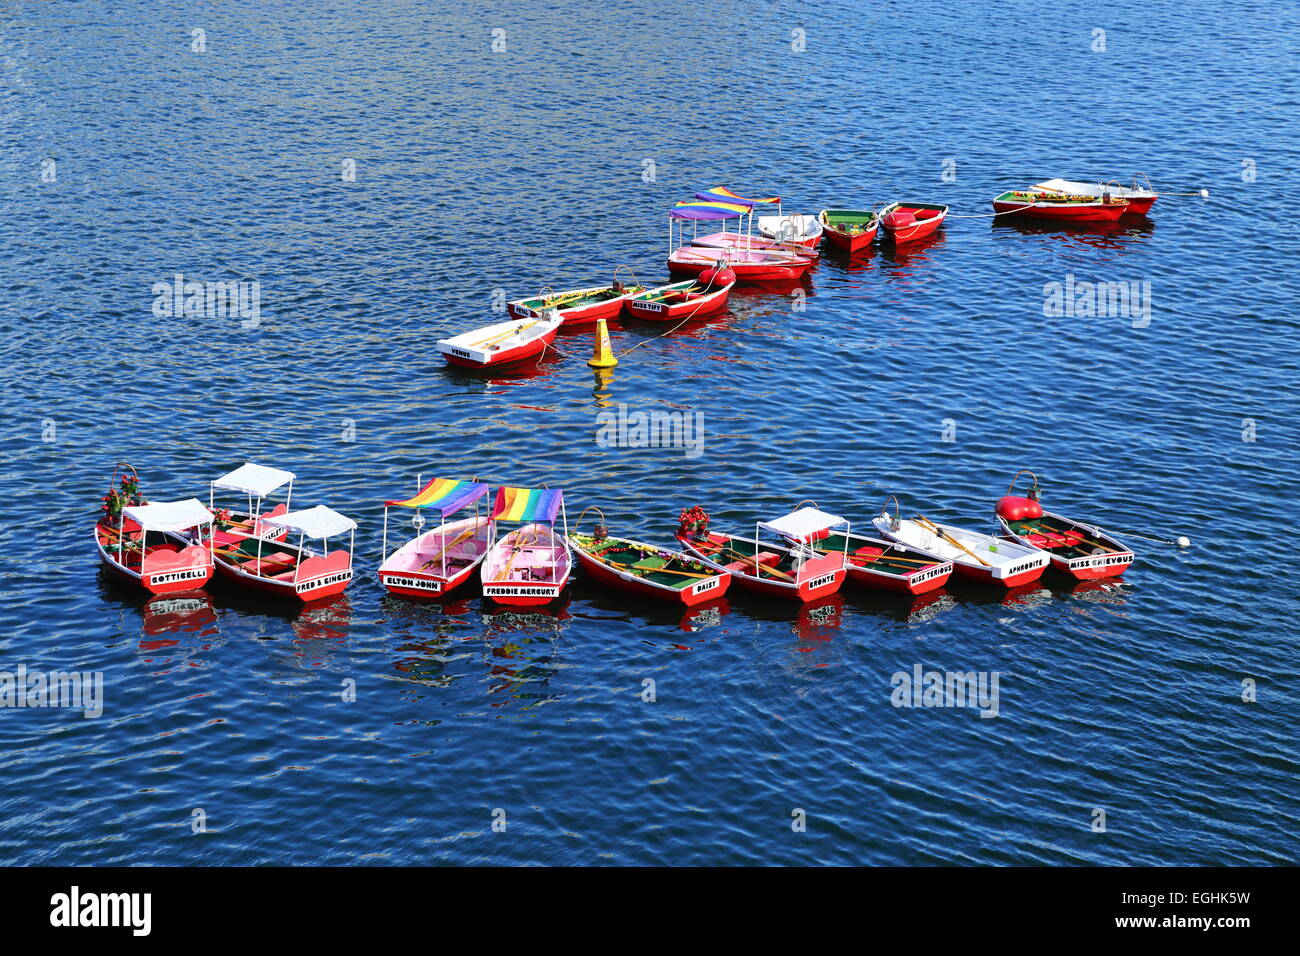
[478, 171]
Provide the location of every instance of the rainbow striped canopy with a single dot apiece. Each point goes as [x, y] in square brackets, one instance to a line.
[527, 504]
[692, 209]
[723, 194]
[445, 494]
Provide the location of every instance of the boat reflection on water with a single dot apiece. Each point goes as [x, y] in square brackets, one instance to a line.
[1096, 591]
[913, 253]
[329, 619]
[860, 261]
[184, 613]
[521, 650]
[1113, 235]
[635, 609]
[908, 608]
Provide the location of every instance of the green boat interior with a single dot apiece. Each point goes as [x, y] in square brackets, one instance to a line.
[644, 562]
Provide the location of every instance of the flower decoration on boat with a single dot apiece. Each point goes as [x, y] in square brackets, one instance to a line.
[223, 519]
[693, 521]
[126, 496]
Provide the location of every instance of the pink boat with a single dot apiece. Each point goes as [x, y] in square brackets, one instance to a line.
[742, 240]
[438, 561]
[749, 261]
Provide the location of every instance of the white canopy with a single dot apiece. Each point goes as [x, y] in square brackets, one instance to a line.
[801, 525]
[256, 480]
[318, 522]
[169, 515]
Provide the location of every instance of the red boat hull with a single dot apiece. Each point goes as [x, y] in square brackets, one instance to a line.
[517, 594]
[529, 351]
[704, 305]
[851, 243]
[982, 576]
[918, 229]
[756, 270]
[1063, 212]
[321, 577]
[575, 318]
[699, 593]
[918, 582]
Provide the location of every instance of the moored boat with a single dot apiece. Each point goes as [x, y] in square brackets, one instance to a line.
[531, 564]
[888, 565]
[293, 570]
[791, 569]
[577, 308]
[749, 263]
[680, 301]
[505, 343]
[1077, 549]
[849, 229]
[740, 240]
[1140, 199]
[982, 558]
[437, 562]
[137, 540]
[646, 570]
[909, 221]
[1042, 204]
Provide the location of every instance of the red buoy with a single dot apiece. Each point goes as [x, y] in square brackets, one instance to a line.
[717, 278]
[899, 219]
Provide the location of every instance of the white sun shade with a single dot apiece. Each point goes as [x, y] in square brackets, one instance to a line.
[169, 515]
[257, 480]
[318, 522]
[803, 523]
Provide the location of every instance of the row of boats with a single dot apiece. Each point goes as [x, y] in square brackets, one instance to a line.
[777, 247]
[175, 546]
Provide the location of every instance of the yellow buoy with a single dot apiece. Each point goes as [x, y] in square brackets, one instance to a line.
[603, 357]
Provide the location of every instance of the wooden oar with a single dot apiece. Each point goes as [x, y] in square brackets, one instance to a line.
[515, 554]
[446, 547]
[753, 559]
[889, 557]
[931, 526]
[1046, 533]
[685, 574]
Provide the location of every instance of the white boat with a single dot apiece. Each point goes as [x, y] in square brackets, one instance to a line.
[505, 343]
[805, 230]
[984, 558]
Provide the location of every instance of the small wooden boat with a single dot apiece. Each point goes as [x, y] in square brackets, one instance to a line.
[646, 570]
[805, 231]
[1043, 204]
[982, 558]
[680, 301]
[293, 570]
[1140, 199]
[1081, 551]
[136, 541]
[849, 229]
[577, 308]
[792, 569]
[888, 565]
[506, 343]
[437, 562]
[257, 483]
[530, 565]
[909, 221]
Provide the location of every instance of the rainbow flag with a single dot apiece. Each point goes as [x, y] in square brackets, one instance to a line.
[445, 494]
[527, 504]
[723, 194]
[691, 209]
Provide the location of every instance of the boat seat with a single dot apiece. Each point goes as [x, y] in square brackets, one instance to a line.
[267, 564]
[768, 559]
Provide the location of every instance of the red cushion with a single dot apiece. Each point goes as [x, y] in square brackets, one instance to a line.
[1015, 508]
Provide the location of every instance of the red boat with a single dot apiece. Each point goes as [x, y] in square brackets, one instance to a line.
[1076, 549]
[793, 569]
[293, 570]
[506, 343]
[647, 571]
[1140, 199]
[1042, 204]
[680, 301]
[908, 221]
[888, 565]
[140, 547]
[849, 229]
[578, 308]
